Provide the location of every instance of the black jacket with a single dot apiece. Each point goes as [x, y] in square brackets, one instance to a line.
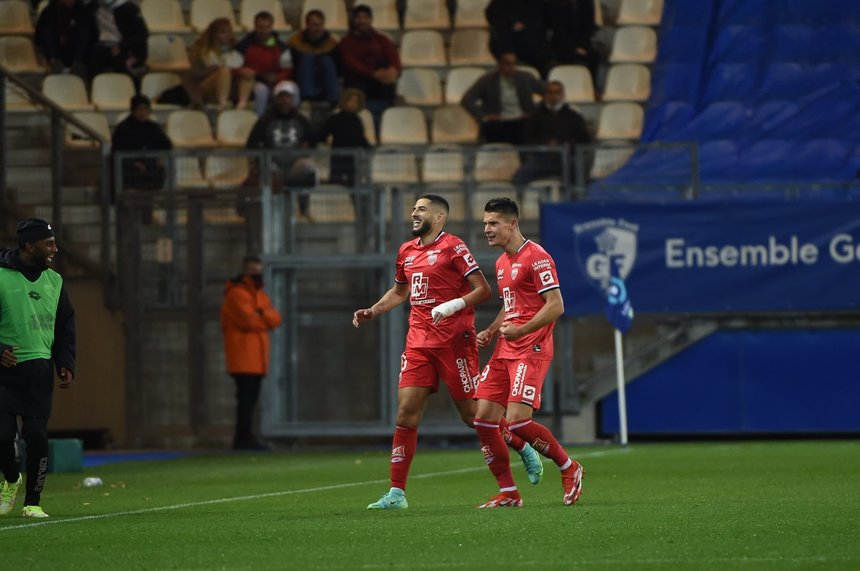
[131, 27]
[346, 131]
[63, 351]
[485, 96]
[65, 33]
[132, 135]
[563, 126]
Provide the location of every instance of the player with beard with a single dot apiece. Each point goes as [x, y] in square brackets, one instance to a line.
[442, 281]
[37, 334]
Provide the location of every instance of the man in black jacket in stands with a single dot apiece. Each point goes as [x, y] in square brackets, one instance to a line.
[120, 38]
[554, 124]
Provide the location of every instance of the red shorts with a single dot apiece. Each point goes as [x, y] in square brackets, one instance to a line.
[513, 380]
[457, 366]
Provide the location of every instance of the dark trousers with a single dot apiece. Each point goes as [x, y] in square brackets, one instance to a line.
[503, 131]
[247, 395]
[35, 433]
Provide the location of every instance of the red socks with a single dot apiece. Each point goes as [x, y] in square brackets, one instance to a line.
[541, 440]
[511, 439]
[495, 453]
[402, 452]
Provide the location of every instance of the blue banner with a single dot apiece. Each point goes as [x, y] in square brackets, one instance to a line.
[708, 257]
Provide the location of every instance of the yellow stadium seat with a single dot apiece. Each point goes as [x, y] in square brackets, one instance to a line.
[75, 138]
[112, 91]
[470, 14]
[167, 53]
[204, 11]
[426, 14]
[422, 48]
[640, 13]
[627, 82]
[453, 124]
[189, 128]
[619, 121]
[250, 8]
[155, 83]
[403, 126]
[164, 17]
[234, 126]
[420, 87]
[633, 44]
[15, 18]
[18, 55]
[68, 91]
[335, 13]
[470, 47]
[576, 79]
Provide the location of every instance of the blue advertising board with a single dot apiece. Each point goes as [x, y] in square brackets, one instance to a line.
[708, 257]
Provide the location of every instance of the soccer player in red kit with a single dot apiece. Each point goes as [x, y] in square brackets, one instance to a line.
[440, 278]
[513, 379]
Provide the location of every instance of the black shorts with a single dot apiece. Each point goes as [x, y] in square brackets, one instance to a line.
[27, 388]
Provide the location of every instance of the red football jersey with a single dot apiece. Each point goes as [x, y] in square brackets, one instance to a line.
[436, 273]
[522, 278]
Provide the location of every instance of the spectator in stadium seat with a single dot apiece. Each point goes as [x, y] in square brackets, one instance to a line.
[215, 63]
[267, 60]
[121, 36]
[283, 128]
[64, 35]
[370, 62]
[501, 100]
[313, 51]
[138, 133]
[347, 132]
[554, 123]
[439, 277]
[247, 317]
[519, 26]
[571, 25]
[37, 330]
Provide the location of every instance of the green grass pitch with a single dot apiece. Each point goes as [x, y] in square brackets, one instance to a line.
[761, 505]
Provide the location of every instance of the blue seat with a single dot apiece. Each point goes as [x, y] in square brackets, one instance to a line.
[815, 11]
[739, 44]
[718, 120]
[819, 159]
[838, 42]
[683, 44]
[744, 12]
[665, 122]
[771, 118]
[675, 82]
[793, 43]
[718, 161]
[687, 14]
[731, 82]
[767, 160]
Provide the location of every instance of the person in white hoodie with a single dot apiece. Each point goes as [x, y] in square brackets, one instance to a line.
[120, 39]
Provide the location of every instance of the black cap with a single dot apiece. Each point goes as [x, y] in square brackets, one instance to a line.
[139, 100]
[362, 9]
[32, 230]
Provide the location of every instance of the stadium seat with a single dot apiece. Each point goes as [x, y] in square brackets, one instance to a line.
[422, 48]
[333, 203]
[75, 138]
[369, 127]
[496, 162]
[18, 55]
[633, 44]
[393, 165]
[598, 14]
[167, 53]
[470, 14]
[718, 160]
[403, 126]
[764, 160]
[426, 14]
[443, 165]
[250, 8]
[640, 12]
[453, 124]
[739, 44]
[470, 47]
[112, 91]
[619, 121]
[189, 128]
[226, 172]
[385, 16]
[68, 91]
[674, 82]
[15, 18]
[627, 82]
[164, 17]
[420, 87]
[607, 160]
[576, 79]
[821, 159]
[188, 173]
[155, 83]
[234, 126]
[667, 121]
[459, 80]
[204, 11]
[335, 13]
[731, 81]
[717, 120]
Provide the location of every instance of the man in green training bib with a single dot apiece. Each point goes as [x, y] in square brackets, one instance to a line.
[37, 333]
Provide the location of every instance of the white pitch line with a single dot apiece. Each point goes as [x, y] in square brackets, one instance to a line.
[269, 495]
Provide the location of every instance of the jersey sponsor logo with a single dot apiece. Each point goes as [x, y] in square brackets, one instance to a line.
[519, 378]
[546, 278]
[419, 286]
[459, 248]
[541, 264]
[398, 454]
[44, 321]
[431, 259]
[465, 378]
[529, 393]
[488, 454]
[536, 348]
[470, 260]
[34, 295]
[500, 274]
[541, 446]
[510, 301]
[408, 260]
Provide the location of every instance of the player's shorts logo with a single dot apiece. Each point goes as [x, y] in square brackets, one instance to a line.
[398, 454]
[519, 377]
[465, 377]
[529, 393]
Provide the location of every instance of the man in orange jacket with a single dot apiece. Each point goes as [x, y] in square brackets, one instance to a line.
[247, 316]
